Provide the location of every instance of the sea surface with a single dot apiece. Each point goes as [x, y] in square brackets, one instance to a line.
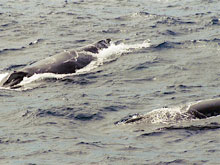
[164, 54]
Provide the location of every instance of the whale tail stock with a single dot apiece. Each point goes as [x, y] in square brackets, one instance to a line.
[14, 79]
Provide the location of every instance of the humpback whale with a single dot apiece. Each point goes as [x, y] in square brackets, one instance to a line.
[204, 109]
[62, 63]
[199, 110]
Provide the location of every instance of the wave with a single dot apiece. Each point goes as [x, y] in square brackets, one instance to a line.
[184, 44]
[112, 53]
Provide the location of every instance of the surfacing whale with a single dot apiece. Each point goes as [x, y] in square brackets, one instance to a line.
[205, 108]
[62, 63]
[200, 110]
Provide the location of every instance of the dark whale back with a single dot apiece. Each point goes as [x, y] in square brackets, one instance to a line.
[61, 64]
[205, 109]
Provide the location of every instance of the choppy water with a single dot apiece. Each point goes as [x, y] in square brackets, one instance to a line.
[166, 55]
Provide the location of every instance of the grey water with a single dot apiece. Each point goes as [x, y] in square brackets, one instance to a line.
[72, 120]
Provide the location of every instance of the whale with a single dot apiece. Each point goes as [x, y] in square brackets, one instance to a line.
[205, 108]
[62, 63]
[202, 109]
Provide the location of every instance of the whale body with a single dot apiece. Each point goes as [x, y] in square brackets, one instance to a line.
[62, 63]
[205, 108]
[200, 110]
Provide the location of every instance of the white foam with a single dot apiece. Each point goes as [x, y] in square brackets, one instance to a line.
[41, 76]
[120, 49]
[2, 76]
[167, 115]
[162, 116]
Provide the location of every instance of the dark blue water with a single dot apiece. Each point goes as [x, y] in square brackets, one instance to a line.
[70, 119]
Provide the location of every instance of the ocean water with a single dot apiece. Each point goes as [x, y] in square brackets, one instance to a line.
[164, 55]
